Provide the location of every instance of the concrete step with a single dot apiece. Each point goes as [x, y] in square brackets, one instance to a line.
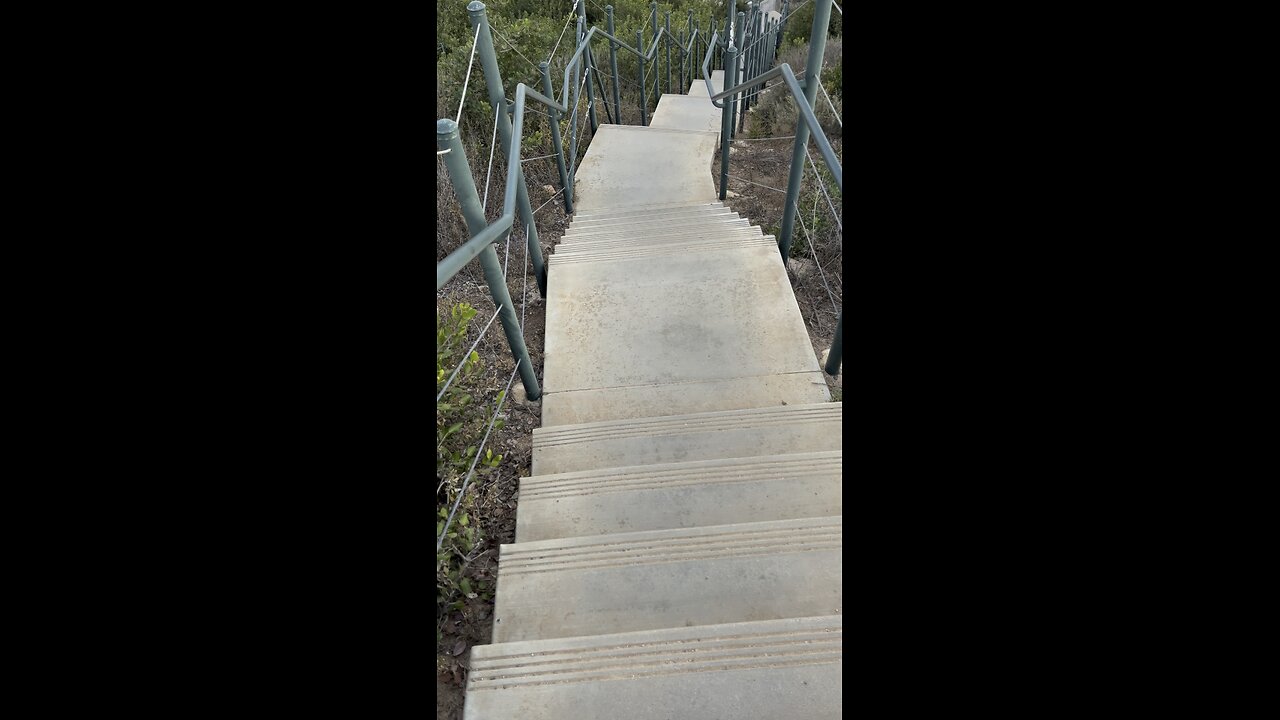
[686, 216]
[687, 112]
[679, 495]
[660, 230]
[723, 215]
[725, 221]
[649, 238]
[641, 210]
[628, 166]
[685, 211]
[788, 668]
[754, 432]
[744, 572]
[702, 247]
[576, 407]
[746, 235]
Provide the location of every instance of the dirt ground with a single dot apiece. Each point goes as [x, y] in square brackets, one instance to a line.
[763, 162]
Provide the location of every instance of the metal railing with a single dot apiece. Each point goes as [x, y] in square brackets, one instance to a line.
[760, 39]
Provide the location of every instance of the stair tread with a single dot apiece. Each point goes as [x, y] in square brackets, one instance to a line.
[696, 436]
[667, 578]
[679, 495]
[732, 671]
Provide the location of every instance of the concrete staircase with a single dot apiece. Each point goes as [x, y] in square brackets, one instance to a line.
[678, 546]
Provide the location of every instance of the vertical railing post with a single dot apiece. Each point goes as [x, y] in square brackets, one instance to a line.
[684, 61]
[573, 109]
[688, 64]
[726, 122]
[667, 26]
[556, 143]
[657, 65]
[588, 67]
[734, 75]
[812, 76]
[837, 348]
[748, 39]
[782, 22]
[498, 101]
[613, 65]
[464, 187]
[644, 113]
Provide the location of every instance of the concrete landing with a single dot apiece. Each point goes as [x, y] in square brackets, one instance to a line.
[723, 313]
[687, 112]
[668, 578]
[741, 671]
[628, 166]
[698, 88]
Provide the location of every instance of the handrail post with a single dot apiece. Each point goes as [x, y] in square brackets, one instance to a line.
[588, 68]
[726, 122]
[644, 114]
[668, 44]
[812, 76]
[683, 60]
[837, 348]
[498, 101]
[573, 122]
[653, 20]
[464, 187]
[613, 65]
[736, 72]
[782, 22]
[748, 68]
[556, 143]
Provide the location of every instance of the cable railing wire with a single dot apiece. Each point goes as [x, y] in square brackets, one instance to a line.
[813, 251]
[480, 450]
[538, 73]
[823, 187]
[448, 382]
[830, 104]
[470, 64]
[735, 177]
[553, 197]
[488, 174]
[565, 30]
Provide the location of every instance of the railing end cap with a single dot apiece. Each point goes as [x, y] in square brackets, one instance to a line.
[445, 126]
[475, 6]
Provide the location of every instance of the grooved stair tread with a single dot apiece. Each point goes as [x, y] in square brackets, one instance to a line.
[652, 238]
[765, 670]
[641, 209]
[754, 432]
[668, 578]
[685, 211]
[679, 495]
[727, 219]
[649, 253]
